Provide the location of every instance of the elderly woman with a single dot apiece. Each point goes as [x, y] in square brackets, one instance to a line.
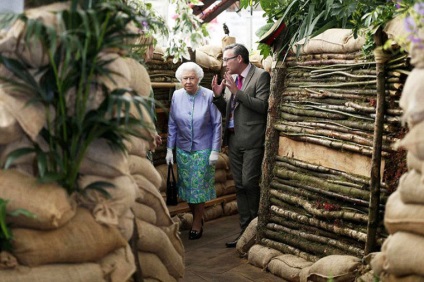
[194, 131]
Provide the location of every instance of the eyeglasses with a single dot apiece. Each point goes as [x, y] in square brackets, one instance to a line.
[227, 59]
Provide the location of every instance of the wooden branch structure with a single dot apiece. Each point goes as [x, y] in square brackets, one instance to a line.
[345, 104]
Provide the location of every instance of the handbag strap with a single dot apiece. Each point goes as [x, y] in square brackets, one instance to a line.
[170, 173]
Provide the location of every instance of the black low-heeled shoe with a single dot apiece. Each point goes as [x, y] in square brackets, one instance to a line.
[193, 235]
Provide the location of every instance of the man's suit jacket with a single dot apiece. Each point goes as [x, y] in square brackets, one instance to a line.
[250, 114]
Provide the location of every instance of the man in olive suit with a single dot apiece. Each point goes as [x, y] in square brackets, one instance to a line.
[242, 97]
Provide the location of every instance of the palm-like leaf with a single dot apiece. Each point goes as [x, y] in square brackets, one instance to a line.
[74, 66]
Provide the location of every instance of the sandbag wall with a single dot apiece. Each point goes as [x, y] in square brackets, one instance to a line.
[400, 257]
[83, 236]
[319, 194]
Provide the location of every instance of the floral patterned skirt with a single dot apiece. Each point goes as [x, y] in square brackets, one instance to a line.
[196, 178]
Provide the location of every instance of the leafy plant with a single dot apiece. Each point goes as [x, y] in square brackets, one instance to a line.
[308, 18]
[68, 82]
[6, 235]
[187, 31]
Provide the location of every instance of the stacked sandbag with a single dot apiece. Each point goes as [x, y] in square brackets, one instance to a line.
[209, 57]
[83, 236]
[160, 249]
[402, 250]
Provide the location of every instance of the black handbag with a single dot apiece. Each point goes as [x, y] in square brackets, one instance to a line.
[171, 188]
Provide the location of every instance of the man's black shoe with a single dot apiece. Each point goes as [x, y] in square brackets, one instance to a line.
[232, 244]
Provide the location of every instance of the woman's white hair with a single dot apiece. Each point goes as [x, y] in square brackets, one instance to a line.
[189, 66]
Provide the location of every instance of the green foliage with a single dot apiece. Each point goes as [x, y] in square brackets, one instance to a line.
[307, 18]
[6, 235]
[66, 85]
[187, 31]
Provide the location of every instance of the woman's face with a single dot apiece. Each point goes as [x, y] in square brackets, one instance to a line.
[190, 81]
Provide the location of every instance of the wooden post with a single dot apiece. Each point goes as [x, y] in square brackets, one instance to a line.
[271, 144]
[373, 216]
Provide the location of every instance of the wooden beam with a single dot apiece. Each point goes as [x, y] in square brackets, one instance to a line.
[216, 10]
[182, 207]
[197, 10]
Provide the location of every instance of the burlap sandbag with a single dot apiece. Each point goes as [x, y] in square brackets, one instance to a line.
[71, 272]
[126, 225]
[81, 240]
[220, 175]
[184, 220]
[172, 232]
[30, 116]
[118, 265]
[154, 240]
[31, 51]
[334, 40]
[108, 210]
[147, 128]
[150, 196]
[219, 189]
[10, 130]
[21, 143]
[414, 141]
[214, 51]
[139, 77]
[228, 40]
[213, 212]
[303, 275]
[230, 187]
[403, 217]
[288, 266]
[405, 254]
[125, 73]
[7, 260]
[260, 255]
[152, 267]
[248, 238]
[412, 162]
[102, 160]
[411, 188]
[377, 263]
[267, 64]
[395, 29]
[412, 100]
[230, 208]
[207, 62]
[222, 162]
[143, 166]
[48, 202]
[137, 146]
[93, 101]
[335, 267]
[144, 213]
[387, 277]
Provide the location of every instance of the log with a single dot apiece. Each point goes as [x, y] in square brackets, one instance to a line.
[342, 73]
[294, 200]
[334, 144]
[351, 192]
[360, 236]
[286, 249]
[303, 244]
[287, 185]
[329, 133]
[346, 248]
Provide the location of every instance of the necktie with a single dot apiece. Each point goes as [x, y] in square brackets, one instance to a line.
[239, 81]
